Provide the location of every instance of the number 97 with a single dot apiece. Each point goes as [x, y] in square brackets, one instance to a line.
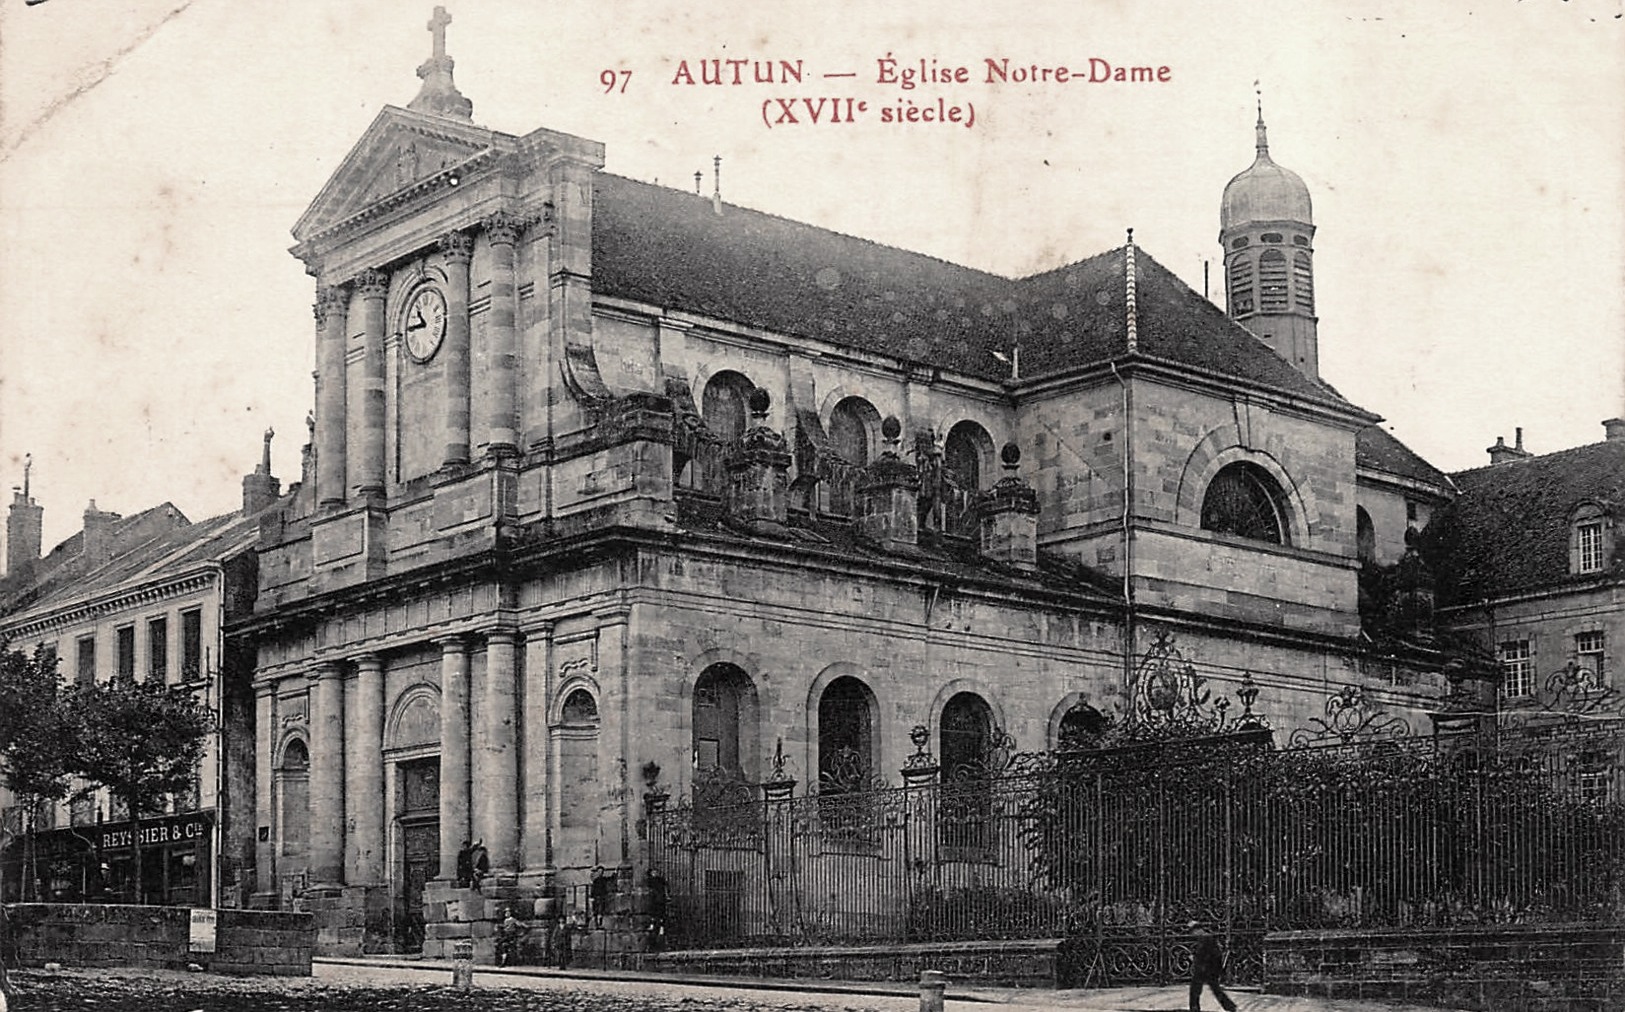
[610, 78]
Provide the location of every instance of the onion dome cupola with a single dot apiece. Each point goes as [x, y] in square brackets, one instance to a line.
[1266, 228]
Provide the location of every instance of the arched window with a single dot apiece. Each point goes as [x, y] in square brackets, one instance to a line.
[1272, 281]
[1303, 283]
[966, 453]
[723, 408]
[1081, 727]
[1365, 537]
[967, 732]
[852, 428]
[846, 735]
[725, 723]
[1244, 500]
[579, 708]
[1241, 286]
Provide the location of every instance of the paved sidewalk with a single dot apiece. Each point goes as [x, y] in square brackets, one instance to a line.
[847, 996]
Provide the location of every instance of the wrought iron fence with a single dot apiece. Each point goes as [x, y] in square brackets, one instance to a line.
[1117, 850]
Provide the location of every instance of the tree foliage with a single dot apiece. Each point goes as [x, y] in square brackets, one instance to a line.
[37, 729]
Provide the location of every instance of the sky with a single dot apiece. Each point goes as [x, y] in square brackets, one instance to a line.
[1466, 163]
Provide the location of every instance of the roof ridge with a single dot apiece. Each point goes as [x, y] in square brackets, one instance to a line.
[1534, 458]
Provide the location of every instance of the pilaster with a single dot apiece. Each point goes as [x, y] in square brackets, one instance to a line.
[457, 250]
[327, 776]
[536, 851]
[265, 725]
[454, 752]
[364, 772]
[331, 311]
[372, 285]
[496, 757]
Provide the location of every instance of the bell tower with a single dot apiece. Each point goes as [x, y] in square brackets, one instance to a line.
[1266, 229]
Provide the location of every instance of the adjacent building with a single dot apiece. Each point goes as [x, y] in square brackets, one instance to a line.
[143, 597]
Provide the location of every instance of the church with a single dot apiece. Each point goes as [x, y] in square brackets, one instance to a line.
[617, 490]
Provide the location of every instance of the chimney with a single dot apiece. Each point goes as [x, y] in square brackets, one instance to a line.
[1008, 515]
[889, 495]
[98, 536]
[1501, 453]
[260, 489]
[758, 469]
[23, 527]
[1614, 428]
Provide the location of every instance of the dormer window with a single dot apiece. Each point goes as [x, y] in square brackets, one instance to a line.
[1590, 534]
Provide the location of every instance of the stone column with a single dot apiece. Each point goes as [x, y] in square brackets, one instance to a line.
[364, 772]
[502, 421]
[496, 753]
[456, 250]
[265, 727]
[535, 849]
[327, 776]
[332, 311]
[454, 782]
[373, 286]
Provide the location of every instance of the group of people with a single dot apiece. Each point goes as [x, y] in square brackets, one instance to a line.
[559, 943]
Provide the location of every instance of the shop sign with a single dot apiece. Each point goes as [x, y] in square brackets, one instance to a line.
[186, 828]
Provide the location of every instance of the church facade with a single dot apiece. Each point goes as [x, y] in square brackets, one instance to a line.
[616, 489]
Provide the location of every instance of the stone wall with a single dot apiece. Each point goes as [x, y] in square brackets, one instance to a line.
[1500, 968]
[1020, 963]
[81, 935]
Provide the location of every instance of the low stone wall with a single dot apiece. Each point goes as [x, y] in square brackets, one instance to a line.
[1499, 968]
[1024, 963]
[81, 935]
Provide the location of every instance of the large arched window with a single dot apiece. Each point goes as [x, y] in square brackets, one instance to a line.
[725, 723]
[846, 736]
[967, 733]
[852, 429]
[1081, 727]
[724, 409]
[964, 829]
[1244, 500]
[967, 453]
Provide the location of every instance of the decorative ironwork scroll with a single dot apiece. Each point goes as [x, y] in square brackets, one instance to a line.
[1350, 717]
[1168, 699]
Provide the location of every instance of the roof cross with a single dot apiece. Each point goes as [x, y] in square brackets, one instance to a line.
[437, 26]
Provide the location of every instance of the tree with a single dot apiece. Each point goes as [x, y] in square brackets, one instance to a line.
[141, 741]
[38, 734]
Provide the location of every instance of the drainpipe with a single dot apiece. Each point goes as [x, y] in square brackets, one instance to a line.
[1127, 522]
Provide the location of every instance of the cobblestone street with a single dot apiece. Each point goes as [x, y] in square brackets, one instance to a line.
[349, 987]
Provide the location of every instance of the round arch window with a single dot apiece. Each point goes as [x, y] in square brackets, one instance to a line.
[1244, 500]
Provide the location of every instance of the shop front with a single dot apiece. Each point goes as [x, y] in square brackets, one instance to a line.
[96, 863]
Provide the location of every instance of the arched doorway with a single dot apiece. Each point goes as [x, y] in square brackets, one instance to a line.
[966, 734]
[724, 730]
[580, 797]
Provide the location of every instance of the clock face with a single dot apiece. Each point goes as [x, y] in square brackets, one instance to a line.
[425, 323]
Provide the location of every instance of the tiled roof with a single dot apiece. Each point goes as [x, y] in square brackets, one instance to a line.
[1376, 449]
[136, 562]
[669, 248]
[1508, 530]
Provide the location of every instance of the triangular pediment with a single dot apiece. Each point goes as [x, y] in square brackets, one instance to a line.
[400, 150]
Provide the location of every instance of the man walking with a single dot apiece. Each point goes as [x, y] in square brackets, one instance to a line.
[1207, 967]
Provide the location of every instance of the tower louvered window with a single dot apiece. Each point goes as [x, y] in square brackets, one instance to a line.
[1272, 282]
[1241, 286]
[1303, 283]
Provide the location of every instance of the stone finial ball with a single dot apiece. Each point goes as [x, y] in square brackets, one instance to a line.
[1011, 454]
[891, 428]
[759, 400]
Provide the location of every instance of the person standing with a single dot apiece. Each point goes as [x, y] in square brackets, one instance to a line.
[1207, 968]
